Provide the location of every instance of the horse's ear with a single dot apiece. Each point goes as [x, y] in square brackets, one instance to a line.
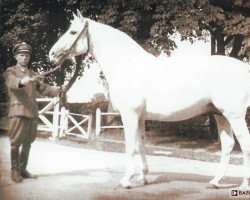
[80, 15]
[74, 15]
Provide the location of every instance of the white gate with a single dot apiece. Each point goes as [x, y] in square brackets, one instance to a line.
[63, 123]
[99, 126]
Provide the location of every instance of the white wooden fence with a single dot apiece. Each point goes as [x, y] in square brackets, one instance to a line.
[62, 119]
[99, 126]
[63, 123]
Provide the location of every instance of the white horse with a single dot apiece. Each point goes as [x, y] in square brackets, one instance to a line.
[143, 87]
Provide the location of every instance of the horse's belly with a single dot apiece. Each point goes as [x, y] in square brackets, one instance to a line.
[171, 105]
[171, 113]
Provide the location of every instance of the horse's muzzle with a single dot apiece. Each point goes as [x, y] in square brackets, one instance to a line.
[57, 60]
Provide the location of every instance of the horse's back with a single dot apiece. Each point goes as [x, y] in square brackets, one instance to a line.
[228, 82]
[189, 88]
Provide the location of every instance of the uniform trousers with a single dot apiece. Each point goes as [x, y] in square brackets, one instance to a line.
[22, 130]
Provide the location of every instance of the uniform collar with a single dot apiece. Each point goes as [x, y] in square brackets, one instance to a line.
[23, 69]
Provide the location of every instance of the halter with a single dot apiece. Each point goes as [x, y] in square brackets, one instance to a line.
[67, 52]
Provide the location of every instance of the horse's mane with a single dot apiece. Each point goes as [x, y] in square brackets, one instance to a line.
[118, 37]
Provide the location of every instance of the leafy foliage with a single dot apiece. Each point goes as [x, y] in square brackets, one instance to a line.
[149, 22]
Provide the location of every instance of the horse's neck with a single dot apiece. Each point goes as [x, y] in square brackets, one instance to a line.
[114, 50]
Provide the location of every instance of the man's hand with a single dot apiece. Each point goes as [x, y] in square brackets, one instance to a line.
[24, 81]
[37, 77]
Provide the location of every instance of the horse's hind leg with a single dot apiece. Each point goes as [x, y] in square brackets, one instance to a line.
[227, 144]
[242, 134]
[141, 150]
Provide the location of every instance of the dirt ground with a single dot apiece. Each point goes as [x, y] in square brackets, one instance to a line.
[196, 146]
[75, 172]
[73, 168]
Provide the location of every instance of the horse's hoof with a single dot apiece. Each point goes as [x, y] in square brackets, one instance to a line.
[125, 185]
[212, 186]
[142, 181]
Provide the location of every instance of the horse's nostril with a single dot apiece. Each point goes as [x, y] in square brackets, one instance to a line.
[52, 53]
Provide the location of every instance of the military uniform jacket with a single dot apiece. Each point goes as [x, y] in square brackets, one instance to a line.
[23, 99]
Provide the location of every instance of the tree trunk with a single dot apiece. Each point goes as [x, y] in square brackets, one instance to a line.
[220, 44]
[213, 45]
[236, 46]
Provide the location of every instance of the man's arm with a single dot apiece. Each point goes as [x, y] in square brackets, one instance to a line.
[47, 90]
[14, 83]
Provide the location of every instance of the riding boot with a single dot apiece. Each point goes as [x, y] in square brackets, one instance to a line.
[15, 175]
[24, 156]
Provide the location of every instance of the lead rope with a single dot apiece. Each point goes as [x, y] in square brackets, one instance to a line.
[37, 77]
[62, 95]
[79, 58]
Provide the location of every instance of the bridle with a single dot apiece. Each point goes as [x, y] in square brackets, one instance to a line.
[85, 27]
[67, 52]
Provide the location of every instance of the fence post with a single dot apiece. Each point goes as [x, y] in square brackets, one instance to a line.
[98, 121]
[63, 122]
[89, 126]
[55, 119]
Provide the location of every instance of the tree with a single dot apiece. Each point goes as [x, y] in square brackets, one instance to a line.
[149, 22]
[37, 23]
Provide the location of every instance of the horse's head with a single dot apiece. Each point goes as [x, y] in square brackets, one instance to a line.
[74, 41]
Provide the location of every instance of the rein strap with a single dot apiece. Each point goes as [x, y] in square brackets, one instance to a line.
[50, 71]
[37, 77]
[73, 44]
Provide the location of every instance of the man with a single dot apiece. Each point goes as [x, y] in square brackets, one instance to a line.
[22, 87]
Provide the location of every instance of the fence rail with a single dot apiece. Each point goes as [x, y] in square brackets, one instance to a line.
[60, 125]
[99, 116]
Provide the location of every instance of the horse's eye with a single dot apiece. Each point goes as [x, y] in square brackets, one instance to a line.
[73, 32]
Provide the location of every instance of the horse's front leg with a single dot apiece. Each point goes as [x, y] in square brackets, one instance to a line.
[130, 123]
